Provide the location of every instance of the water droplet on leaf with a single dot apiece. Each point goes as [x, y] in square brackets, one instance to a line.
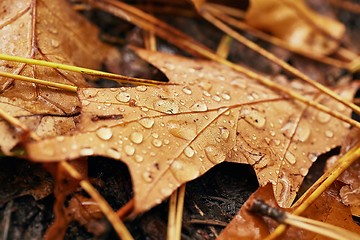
[166, 106]
[147, 176]
[254, 117]
[182, 130]
[290, 158]
[323, 117]
[113, 153]
[189, 151]
[329, 134]
[147, 122]
[187, 90]
[214, 154]
[302, 132]
[157, 142]
[139, 158]
[129, 150]
[136, 137]
[199, 107]
[183, 172]
[141, 88]
[104, 133]
[123, 97]
[86, 152]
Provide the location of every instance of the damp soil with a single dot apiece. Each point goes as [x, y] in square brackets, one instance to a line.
[211, 201]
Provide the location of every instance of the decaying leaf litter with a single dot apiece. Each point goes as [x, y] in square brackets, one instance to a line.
[42, 109]
[132, 104]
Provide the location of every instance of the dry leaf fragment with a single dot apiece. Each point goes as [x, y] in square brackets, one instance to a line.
[350, 193]
[295, 23]
[327, 208]
[52, 31]
[172, 134]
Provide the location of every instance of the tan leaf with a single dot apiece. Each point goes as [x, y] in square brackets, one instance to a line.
[327, 208]
[295, 23]
[46, 30]
[172, 134]
[350, 193]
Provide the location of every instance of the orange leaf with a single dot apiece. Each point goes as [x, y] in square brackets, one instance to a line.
[168, 135]
[350, 193]
[326, 208]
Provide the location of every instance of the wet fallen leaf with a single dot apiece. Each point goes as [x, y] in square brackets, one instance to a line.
[327, 208]
[350, 193]
[172, 134]
[295, 23]
[45, 30]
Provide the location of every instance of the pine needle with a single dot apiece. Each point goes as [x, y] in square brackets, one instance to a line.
[176, 206]
[91, 72]
[172, 216]
[61, 86]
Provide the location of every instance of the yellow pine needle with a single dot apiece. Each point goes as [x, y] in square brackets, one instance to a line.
[321, 185]
[65, 87]
[176, 206]
[319, 227]
[224, 47]
[92, 72]
[179, 211]
[172, 216]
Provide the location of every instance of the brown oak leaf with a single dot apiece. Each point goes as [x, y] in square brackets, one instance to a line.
[168, 135]
[45, 30]
[350, 193]
[327, 208]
